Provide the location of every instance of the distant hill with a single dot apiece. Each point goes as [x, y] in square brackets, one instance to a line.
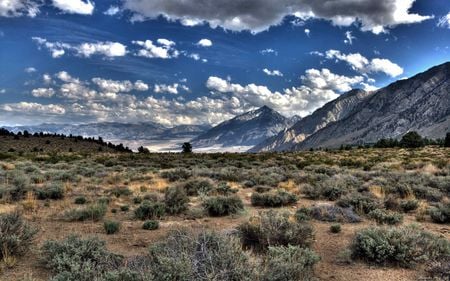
[247, 129]
[47, 143]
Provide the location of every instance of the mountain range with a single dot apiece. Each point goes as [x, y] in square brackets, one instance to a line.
[247, 129]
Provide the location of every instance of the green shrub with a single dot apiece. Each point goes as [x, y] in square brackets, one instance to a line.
[121, 191]
[80, 200]
[409, 205]
[125, 208]
[150, 210]
[224, 189]
[363, 204]
[275, 229]
[289, 263]
[75, 259]
[441, 213]
[217, 206]
[111, 227]
[93, 212]
[205, 256]
[20, 185]
[16, 235]
[196, 187]
[303, 214]
[386, 217]
[54, 191]
[176, 200]
[278, 199]
[150, 225]
[176, 174]
[137, 200]
[331, 213]
[335, 228]
[404, 246]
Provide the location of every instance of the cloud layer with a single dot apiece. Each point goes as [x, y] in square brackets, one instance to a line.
[259, 15]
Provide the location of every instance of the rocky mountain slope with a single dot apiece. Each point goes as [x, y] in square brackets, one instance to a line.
[247, 129]
[421, 103]
[331, 112]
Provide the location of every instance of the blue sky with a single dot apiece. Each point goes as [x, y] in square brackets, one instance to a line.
[201, 61]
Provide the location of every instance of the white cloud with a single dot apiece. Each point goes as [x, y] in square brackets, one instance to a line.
[2, 91]
[112, 86]
[307, 32]
[368, 88]
[164, 49]
[268, 52]
[326, 80]
[444, 21]
[30, 69]
[170, 89]
[33, 108]
[112, 11]
[17, 8]
[273, 72]
[75, 6]
[43, 92]
[260, 15]
[349, 38]
[363, 65]
[47, 79]
[107, 49]
[205, 43]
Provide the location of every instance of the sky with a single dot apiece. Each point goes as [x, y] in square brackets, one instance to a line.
[180, 62]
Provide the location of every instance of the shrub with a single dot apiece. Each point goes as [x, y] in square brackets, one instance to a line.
[111, 227]
[289, 263]
[335, 228]
[361, 203]
[75, 259]
[439, 269]
[274, 229]
[20, 185]
[93, 212]
[224, 189]
[16, 235]
[125, 208]
[386, 217]
[404, 246]
[121, 191]
[176, 200]
[412, 140]
[218, 206]
[176, 174]
[137, 200]
[278, 199]
[150, 225]
[150, 210]
[80, 200]
[196, 187]
[331, 213]
[303, 214]
[441, 213]
[409, 205]
[205, 256]
[53, 191]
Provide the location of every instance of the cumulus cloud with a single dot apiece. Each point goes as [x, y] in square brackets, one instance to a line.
[268, 51]
[259, 15]
[163, 49]
[43, 92]
[326, 80]
[363, 65]
[33, 108]
[75, 6]
[205, 43]
[113, 86]
[17, 8]
[170, 89]
[307, 32]
[107, 49]
[112, 11]
[273, 72]
[444, 21]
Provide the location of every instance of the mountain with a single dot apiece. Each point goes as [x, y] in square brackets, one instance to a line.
[421, 103]
[247, 129]
[112, 131]
[330, 112]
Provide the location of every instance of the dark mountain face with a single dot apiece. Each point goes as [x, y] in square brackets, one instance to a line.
[331, 112]
[421, 103]
[247, 129]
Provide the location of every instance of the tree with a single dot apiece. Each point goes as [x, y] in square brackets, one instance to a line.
[412, 140]
[143, 150]
[447, 140]
[187, 147]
